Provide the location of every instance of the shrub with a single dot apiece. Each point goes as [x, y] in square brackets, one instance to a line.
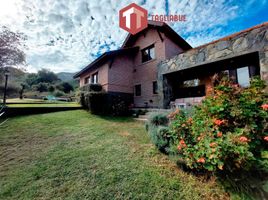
[58, 93]
[159, 132]
[228, 131]
[103, 103]
[158, 119]
[91, 87]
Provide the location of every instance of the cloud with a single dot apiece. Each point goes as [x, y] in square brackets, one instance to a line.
[66, 35]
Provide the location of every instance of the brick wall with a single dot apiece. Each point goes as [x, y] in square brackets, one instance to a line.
[146, 73]
[102, 75]
[120, 74]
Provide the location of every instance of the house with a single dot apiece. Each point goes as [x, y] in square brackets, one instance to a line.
[156, 67]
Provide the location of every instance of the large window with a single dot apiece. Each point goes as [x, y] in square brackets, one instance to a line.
[243, 77]
[137, 90]
[94, 79]
[148, 54]
[155, 88]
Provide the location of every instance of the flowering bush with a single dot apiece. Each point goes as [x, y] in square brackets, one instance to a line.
[228, 131]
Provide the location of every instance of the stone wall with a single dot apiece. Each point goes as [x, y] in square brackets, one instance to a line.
[251, 40]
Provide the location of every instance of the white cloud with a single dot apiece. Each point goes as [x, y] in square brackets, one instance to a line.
[66, 35]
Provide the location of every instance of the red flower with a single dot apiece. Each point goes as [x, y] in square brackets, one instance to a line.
[218, 122]
[266, 138]
[179, 147]
[182, 144]
[190, 120]
[243, 139]
[265, 106]
[201, 160]
[213, 144]
[219, 134]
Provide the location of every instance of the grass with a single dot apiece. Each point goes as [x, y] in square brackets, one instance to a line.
[60, 104]
[25, 100]
[75, 155]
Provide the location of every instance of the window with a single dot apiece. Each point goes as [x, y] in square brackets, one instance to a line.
[243, 77]
[155, 87]
[87, 80]
[94, 79]
[191, 83]
[137, 90]
[147, 54]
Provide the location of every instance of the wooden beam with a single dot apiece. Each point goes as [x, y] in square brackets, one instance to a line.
[162, 39]
[111, 63]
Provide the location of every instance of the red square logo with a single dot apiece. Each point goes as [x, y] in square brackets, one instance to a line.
[133, 18]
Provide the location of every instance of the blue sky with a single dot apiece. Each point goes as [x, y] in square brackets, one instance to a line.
[66, 35]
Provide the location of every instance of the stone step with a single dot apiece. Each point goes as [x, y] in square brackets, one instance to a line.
[141, 119]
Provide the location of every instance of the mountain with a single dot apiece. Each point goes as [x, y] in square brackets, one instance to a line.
[65, 76]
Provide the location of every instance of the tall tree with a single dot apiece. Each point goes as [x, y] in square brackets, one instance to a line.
[11, 53]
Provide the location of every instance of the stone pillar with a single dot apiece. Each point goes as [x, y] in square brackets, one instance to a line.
[264, 66]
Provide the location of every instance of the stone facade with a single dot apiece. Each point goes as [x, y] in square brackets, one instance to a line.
[248, 41]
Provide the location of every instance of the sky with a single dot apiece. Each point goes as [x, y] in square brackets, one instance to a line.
[66, 35]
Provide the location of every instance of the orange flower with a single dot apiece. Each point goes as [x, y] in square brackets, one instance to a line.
[199, 138]
[173, 114]
[201, 160]
[243, 139]
[182, 144]
[218, 122]
[266, 138]
[190, 120]
[265, 106]
[179, 147]
[213, 144]
[219, 134]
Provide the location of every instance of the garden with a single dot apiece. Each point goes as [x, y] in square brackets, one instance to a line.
[225, 137]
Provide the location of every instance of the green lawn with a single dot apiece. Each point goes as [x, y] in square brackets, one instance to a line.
[75, 155]
[60, 104]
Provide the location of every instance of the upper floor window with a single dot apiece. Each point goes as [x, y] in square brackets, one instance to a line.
[147, 54]
[155, 88]
[94, 78]
[87, 80]
[137, 90]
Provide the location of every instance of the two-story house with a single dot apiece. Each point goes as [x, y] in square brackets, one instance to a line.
[157, 68]
[132, 69]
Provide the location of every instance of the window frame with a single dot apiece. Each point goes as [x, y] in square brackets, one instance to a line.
[93, 81]
[135, 90]
[149, 55]
[155, 87]
[87, 80]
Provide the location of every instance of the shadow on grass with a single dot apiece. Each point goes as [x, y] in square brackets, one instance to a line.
[241, 184]
[116, 118]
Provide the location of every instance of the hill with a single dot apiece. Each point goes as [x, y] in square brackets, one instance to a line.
[65, 76]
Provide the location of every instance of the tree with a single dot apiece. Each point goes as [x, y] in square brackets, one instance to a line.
[10, 48]
[41, 87]
[67, 87]
[22, 90]
[51, 88]
[31, 79]
[46, 76]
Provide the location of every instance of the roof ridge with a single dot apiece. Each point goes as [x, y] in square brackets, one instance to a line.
[232, 35]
